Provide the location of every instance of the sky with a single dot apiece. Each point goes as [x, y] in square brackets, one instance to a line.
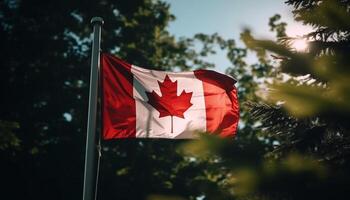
[229, 18]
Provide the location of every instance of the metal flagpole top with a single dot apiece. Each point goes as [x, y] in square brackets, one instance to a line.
[97, 20]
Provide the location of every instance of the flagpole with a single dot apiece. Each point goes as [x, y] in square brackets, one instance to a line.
[90, 153]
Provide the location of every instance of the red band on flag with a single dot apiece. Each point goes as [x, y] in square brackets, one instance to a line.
[221, 102]
[118, 104]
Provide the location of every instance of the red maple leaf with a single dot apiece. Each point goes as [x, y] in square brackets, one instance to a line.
[169, 104]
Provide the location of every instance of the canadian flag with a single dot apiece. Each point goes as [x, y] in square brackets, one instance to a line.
[143, 103]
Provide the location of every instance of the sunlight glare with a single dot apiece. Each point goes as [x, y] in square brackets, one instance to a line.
[299, 44]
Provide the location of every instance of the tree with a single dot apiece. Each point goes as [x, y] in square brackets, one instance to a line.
[304, 116]
[316, 93]
[45, 48]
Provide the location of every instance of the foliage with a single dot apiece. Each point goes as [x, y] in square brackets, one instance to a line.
[292, 143]
[8, 138]
[316, 94]
[249, 176]
[304, 114]
[44, 59]
[279, 27]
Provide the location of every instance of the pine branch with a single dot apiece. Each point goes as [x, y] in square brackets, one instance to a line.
[315, 136]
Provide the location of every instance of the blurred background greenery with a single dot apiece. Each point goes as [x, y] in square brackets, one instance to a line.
[293, 139]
